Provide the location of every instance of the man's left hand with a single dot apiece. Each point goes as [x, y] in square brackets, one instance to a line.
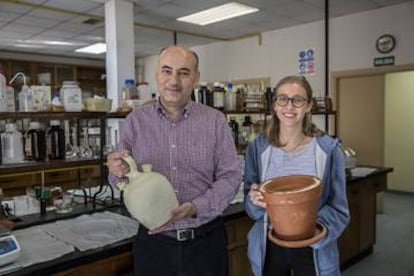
[187, 209]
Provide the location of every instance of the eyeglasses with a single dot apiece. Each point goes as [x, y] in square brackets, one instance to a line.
[297, 101]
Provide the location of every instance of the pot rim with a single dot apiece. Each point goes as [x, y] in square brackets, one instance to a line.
[315, 183]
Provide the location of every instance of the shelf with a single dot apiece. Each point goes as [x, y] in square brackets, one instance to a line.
[35, 167]
[117, 115]
[51, 115]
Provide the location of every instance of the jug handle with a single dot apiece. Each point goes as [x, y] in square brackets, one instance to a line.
[132, 170]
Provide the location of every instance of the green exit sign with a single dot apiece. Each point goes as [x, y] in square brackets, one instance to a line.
[382, 61]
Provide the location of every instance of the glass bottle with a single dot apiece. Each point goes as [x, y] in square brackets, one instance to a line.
[55, 141]
[70, 151]
[35, 142]
[234, 130]
[218, 95]
[247, 129]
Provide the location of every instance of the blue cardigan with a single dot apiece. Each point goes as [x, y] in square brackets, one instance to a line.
[333, 210]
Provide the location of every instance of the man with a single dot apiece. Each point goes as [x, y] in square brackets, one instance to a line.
[192, 145]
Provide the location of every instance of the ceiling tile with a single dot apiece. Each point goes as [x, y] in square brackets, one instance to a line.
[37, 21]
[50, 14]
[74, 5]
[14, 8]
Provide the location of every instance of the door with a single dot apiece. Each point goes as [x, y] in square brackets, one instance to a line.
[360, 105]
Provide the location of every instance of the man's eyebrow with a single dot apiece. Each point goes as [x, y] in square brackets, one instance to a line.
[166, 67]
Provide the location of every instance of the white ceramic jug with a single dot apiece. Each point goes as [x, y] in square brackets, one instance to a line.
[149, 196]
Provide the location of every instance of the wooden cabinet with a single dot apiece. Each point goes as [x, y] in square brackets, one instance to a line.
[237, 246]
[359, 237]
[121, 265]
[90, 78]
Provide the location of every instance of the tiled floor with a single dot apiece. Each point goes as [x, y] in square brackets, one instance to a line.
[394, 250]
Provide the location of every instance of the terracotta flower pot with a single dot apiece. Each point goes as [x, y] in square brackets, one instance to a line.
[292, 203]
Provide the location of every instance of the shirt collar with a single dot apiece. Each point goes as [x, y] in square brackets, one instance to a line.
[188, 108]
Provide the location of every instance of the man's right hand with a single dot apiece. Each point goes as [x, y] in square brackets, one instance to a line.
[116, 165]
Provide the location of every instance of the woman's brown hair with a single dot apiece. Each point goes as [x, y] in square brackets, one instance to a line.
[272, 130]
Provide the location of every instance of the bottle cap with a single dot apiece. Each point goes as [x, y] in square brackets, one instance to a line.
[34, 125]
[129, 82]
[55, 123]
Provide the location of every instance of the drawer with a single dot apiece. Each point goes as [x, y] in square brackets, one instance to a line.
[17, 181]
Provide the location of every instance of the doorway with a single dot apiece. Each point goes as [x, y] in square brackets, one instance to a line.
[363, 122]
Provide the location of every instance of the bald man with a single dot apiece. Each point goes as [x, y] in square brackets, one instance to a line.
[192, 145]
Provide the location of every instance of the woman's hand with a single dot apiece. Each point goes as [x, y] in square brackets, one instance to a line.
[256, 196]
[116, 165]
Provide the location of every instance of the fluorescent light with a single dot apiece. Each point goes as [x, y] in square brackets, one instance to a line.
[219, 13]
[97, 48]
[60, 43]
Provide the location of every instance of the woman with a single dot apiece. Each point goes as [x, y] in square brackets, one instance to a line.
[292, 144]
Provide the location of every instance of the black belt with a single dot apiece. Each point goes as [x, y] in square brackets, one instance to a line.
[183, 235]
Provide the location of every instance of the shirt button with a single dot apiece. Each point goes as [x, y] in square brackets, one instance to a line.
[173, 146]
[173, 125]
[185, 115]
[174, 168]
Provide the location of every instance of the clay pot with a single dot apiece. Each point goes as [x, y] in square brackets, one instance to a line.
[292, 203]
[149, 196]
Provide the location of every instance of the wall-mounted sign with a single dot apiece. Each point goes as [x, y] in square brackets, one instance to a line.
[306, 62]
[382, 61]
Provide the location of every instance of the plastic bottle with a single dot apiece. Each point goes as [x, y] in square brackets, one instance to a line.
[144, 91]
[55, 141]
[3, 91]
[35, 143]
[10, 100]
[129, 90]
[25, 99]
[71, 95]
[12, 141]
[218, 94]
[230, 98]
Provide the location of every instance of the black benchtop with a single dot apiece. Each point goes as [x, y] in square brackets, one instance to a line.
[78, 258]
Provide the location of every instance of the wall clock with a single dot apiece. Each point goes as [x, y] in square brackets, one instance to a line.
[385, 43]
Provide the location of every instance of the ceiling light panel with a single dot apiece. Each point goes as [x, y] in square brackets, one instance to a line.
[219, 13]
[96, 49]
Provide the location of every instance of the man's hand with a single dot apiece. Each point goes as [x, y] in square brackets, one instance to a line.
[187, 209]
[116, 165]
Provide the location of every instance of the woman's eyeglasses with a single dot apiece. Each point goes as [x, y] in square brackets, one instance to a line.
[297, 101]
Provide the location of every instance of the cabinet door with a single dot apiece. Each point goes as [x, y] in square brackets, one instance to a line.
[26, 68]
[45, 74]
[64, 73]
[237, 246]
[91, 81]
[368, 213]
[348, 242]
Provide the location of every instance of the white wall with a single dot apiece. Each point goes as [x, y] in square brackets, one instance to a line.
[352, 46]
[399, 130]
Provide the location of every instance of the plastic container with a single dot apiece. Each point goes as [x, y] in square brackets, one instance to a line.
[144, 91]
[25, 99]
[12, 142]
[218, 94]
[129, 91]
[71, 95]
[230, 98]
[3, 91]
[35, 143]
[55, 141]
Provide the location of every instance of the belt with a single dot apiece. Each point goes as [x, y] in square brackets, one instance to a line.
[182, 235]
